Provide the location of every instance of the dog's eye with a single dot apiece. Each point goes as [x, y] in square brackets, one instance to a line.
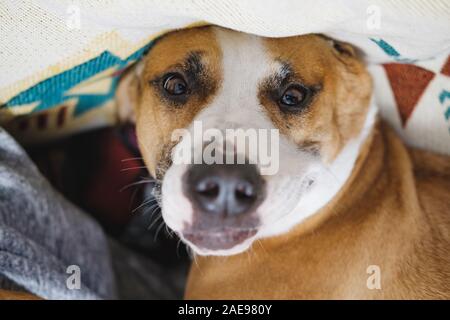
[294, 98]
[174, 84]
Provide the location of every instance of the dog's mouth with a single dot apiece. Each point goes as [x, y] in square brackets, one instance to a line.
[219, 239]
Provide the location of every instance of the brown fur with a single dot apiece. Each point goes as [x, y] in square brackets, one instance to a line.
[335, 115]
[338, 111]
[15, 295]
[155, 119]
[393, 212]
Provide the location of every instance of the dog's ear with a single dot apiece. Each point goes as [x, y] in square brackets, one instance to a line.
[343, 48]
[350, 56]
[127, 94]
[344, 51]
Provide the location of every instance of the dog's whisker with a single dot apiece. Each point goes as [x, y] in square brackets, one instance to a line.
[134, 184]
[156, 212]
[258, 241]
[194, 257]
[254, 252]
[248, 256]
[158, 230]
[133, 196]
[153, 208]
[146, 202]
[169, 232]
[178, 247]
[154, 205]
[130, 159]
[133, 168]
[154, 222]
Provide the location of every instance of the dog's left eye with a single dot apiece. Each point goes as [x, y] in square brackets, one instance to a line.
[174, 84]
[294, 98]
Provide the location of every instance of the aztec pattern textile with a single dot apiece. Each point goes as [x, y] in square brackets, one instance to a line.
[61, 60]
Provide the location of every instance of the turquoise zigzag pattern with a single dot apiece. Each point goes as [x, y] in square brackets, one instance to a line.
[391, 51]
[445, 95]
[52, 91]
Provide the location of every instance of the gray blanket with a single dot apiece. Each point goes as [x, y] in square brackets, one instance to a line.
[52, 249]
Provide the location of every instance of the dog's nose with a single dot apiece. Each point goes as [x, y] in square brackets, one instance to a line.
[224, 189]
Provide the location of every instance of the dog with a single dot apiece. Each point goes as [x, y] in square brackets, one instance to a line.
[351, 212]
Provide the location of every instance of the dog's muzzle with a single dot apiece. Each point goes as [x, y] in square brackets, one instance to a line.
[225, 198]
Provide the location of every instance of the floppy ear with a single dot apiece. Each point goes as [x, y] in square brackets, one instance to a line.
[344, 48]
[348, 54]
[127, 94]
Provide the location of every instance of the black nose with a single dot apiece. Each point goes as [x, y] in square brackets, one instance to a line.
[224, 189]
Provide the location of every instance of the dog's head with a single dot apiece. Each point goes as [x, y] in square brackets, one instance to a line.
[271, 129]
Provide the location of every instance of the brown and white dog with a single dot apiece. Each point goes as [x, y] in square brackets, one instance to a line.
[349, 213]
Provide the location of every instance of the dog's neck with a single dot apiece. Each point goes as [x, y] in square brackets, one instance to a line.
[330, 181]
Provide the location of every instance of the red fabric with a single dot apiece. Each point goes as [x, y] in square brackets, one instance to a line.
[93, 170]
[117, 168]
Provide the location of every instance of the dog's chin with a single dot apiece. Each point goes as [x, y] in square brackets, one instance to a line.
[224, 242]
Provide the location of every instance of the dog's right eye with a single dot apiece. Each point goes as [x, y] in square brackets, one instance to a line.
[174, 84]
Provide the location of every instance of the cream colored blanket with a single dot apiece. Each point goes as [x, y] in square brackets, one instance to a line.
[61, 60]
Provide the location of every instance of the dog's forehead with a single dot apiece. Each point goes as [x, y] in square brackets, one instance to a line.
[254, 57]
[230, 53]
[248, 63]
[174, 47]
[245, 58]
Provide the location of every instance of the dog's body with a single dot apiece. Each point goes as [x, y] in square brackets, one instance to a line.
[351, 213]
[393, 213]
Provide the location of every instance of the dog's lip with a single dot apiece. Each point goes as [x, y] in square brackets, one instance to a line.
[219, 239]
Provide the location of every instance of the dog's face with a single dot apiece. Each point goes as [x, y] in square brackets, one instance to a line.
[312, 91]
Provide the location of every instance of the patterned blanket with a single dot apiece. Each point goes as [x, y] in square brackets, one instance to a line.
[61, 60]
